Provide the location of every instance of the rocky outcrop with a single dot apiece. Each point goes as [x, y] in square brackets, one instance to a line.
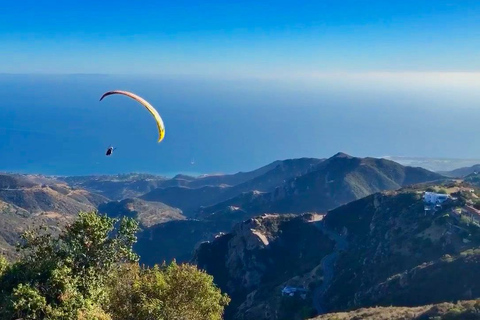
[260, 256]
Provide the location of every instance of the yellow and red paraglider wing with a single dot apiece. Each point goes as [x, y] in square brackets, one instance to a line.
[148, 106]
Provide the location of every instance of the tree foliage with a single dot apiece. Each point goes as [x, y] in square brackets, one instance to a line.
[89, 271]
[166, 292]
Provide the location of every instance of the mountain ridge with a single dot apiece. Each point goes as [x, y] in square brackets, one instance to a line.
[27, 200]
[396, 253]
[266, 178]
[462, 172]
[335, 181]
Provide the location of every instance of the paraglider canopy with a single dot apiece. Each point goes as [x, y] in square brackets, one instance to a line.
[148, 106]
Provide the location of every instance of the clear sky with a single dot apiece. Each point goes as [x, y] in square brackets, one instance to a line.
[266, 38]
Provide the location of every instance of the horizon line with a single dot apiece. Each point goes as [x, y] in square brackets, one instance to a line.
[314, 74]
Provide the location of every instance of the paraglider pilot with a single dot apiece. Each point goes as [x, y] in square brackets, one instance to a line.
[109, 151]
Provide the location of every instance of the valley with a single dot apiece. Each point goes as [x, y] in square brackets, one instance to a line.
[350, 232]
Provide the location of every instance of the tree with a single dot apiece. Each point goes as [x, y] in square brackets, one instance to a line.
[166, 292]
[90, 272]
[3, 265]
[64, 277]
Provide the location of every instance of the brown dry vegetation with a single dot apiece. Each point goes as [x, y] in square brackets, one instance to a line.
[443, 311]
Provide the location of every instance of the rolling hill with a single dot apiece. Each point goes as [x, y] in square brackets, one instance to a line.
[146, 213]
[462, 172]
[116, 187]
[189, 198]
[26, 200]
[336, 181]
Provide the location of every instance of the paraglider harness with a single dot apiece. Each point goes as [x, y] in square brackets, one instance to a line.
[110, 151]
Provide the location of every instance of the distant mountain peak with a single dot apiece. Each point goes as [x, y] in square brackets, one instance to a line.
[342, 155]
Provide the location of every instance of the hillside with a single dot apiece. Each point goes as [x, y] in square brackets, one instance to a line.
[473, 179]
[26, 200]
[231, 179]
[176, 239]
[198, 193]
[186, 199]
[145, 212]
[439, 165]
[389, 252]
[217, 180]
[443, 311]
[262, 255]
[462, 172]
[132, 185]
[307, 192]
[117, 187]
[69, 196]
[400, 255]
[334, 182]
[26, 193]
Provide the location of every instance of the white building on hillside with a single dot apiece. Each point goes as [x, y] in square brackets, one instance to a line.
[435, 198]
[291, 291]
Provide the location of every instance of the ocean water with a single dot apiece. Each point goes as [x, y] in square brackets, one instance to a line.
[55, 124]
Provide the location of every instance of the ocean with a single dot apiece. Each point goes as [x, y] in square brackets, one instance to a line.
[55, 124]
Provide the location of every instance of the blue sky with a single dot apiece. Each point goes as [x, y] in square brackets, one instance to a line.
[239, 37]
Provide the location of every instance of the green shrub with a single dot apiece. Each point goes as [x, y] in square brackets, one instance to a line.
[90, 272]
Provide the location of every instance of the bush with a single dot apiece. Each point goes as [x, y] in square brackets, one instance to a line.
[90, 272]
[3, 265]
[58, 277]
[166, 292]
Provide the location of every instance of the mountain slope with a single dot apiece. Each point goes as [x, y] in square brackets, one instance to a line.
[231, 179]
[145, 212]
[25, 193]
[189, 199]
[117, 187]
[473, 179]
[336, 181]
[176, 239]
[26, 200]
[309, 192]
[443, 311]
[389, 252]
[400, 255]
[462, 172]
[122, 186]
[186, 199]
[260, 256]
